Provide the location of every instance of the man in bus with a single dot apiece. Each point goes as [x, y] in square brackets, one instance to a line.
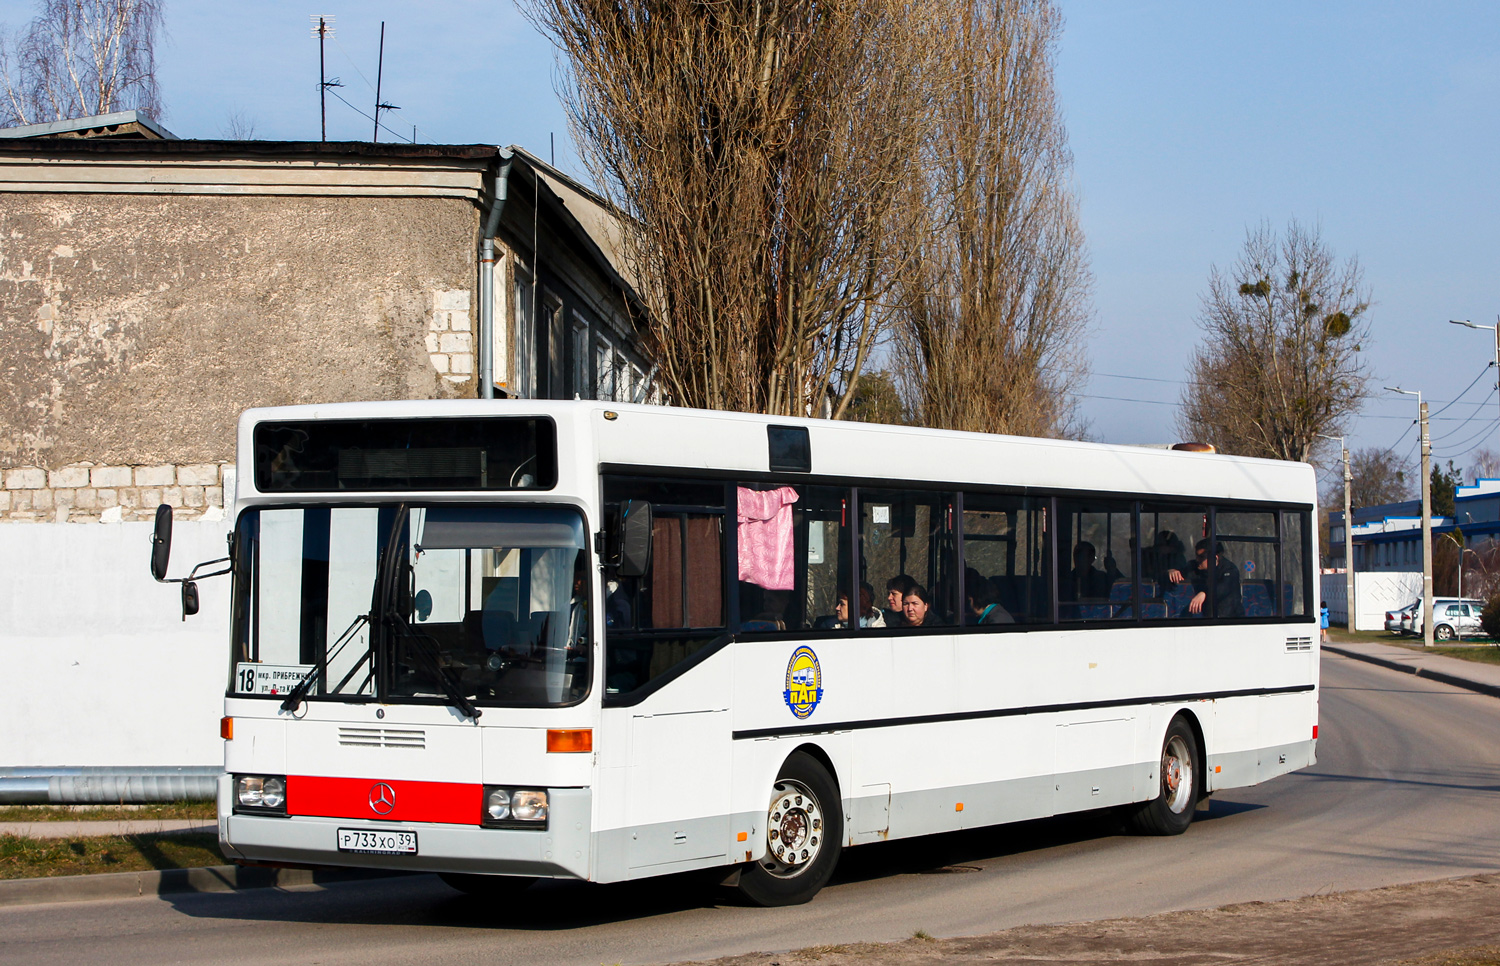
[1085, 580]
[1222, 575]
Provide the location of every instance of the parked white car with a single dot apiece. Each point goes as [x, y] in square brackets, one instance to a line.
[1399, 621]
[1455, 618]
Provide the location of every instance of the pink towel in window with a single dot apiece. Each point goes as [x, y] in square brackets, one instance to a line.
[765, 531]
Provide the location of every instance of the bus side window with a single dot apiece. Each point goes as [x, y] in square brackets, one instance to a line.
[1096, 578]
[1006, 565]
[793, 557]
[656, 621]
[908, 554]
[1295, 529]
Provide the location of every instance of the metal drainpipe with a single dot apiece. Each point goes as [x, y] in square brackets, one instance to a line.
[487, 282]
[108, 785]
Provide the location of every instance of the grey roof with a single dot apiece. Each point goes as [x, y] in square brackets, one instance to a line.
[120, 124]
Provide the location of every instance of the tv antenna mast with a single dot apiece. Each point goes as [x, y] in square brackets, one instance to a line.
[322, 28]
[379, 71]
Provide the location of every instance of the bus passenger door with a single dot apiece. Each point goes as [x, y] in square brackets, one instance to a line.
[677, 790]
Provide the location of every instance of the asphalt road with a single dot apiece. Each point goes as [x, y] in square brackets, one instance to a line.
[1406, 789]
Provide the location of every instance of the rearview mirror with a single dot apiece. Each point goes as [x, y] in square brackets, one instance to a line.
[189, 599]
[635, 538]
[161, 542]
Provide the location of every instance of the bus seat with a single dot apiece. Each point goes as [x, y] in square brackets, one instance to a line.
[1178, 598]
[761, 626]
[1257, 600]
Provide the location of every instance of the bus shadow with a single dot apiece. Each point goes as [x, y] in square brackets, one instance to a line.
[418, 900]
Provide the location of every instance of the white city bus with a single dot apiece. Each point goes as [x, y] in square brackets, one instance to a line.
[503, 640]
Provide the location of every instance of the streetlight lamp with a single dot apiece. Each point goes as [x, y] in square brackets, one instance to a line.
[1493, 328]
[1348, 539]
[1426, 514]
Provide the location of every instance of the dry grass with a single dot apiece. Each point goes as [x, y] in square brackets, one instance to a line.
[28, 858]
[106, 813]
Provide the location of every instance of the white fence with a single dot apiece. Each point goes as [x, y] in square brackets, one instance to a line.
[99, 667]
[1375, 593]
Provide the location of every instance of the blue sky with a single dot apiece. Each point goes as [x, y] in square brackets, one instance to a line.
[1378, 122]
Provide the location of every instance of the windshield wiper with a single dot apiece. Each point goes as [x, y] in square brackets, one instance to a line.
[427, 663]
[295, 696]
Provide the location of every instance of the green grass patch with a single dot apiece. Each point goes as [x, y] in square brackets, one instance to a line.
[106, 813]
[28, 858]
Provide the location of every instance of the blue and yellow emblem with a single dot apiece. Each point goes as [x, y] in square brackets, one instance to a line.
[804, 682]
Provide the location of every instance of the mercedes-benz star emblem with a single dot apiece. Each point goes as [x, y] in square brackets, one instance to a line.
[382, 798]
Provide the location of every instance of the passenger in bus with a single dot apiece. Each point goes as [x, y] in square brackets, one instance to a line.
[1084, 580]
[868, 615]
[1166, 560]
[896, 590]
[1225, 578]
[915, 606]
[984, 602]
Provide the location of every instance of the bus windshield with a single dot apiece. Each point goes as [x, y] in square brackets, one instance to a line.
[447, 604]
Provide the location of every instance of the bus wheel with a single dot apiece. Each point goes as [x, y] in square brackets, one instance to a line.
[486, 886]
[804, 834]
[1171, 811]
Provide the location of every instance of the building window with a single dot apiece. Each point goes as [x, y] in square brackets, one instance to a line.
[525, 367]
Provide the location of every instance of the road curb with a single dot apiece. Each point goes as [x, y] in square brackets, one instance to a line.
[130, 885]
[1441, 677]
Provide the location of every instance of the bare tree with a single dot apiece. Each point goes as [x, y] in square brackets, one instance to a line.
[994, 287]
[1280, 362]
[757, 150]
[1484, 465]
[1379, 477]
[80, 58]
[239, 126]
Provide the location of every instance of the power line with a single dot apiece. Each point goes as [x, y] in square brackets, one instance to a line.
[368, 117]
[1461, 395]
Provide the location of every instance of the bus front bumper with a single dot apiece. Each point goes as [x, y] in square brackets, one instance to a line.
[561, 850]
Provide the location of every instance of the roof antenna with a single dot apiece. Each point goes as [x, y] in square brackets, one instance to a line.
[323, 29]
[552, 137]
[379, 70]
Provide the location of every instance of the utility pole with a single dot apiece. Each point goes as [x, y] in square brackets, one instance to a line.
[1426, 514]
[1348, 537]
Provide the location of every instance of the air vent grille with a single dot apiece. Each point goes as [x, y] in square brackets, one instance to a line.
[1299, 643]
[370, 737]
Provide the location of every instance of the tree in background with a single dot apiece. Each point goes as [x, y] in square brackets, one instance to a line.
[992, 300]
[1379, 477]
[1485, 465]
[1280, 362]
[1444, 488]
[877, 399]
[758, 150]
[80, 58]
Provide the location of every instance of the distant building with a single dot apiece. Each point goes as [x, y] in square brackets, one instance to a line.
[152, 288]
[1389, 537]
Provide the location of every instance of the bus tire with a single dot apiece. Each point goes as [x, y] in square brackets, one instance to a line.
[486, 886]
[804, 835]
[1179, 785]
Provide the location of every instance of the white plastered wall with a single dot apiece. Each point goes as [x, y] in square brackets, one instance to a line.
[100, 669]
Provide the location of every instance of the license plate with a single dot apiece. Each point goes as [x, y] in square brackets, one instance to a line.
[378, 841]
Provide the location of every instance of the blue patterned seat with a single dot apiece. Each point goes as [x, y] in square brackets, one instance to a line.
[1257, 600]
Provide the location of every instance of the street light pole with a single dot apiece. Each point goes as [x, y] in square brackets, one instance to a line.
[1349, 611]
[1493, 328]
[1426, 515]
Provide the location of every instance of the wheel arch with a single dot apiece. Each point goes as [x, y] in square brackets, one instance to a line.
[821, 755]
[1200, 742]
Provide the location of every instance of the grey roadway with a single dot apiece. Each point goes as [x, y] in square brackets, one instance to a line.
[1407, 788]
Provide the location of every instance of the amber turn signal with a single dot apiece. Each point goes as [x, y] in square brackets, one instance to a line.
[226, 729]
[570, 740]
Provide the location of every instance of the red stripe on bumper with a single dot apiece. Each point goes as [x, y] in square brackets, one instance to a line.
[365, 798]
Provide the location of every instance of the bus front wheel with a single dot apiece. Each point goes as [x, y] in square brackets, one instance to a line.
[1178, 786]
[804, 835]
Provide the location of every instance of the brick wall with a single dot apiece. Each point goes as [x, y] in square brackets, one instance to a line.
[87, 492]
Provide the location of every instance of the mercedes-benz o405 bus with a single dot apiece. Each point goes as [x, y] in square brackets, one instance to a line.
[503, 640]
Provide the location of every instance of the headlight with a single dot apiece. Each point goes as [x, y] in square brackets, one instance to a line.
[528, 806]
[260, 793]
[514, 808]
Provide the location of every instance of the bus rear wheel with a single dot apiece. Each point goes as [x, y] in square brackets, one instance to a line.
[1179, 785]
[486, 886]
[804, 835]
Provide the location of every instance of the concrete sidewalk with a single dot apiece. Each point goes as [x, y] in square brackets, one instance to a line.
[138, 826]
[1470, 675]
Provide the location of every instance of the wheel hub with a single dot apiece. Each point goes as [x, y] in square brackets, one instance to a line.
[794, 832]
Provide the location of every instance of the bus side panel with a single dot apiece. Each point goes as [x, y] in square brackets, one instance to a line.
[665, 777]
